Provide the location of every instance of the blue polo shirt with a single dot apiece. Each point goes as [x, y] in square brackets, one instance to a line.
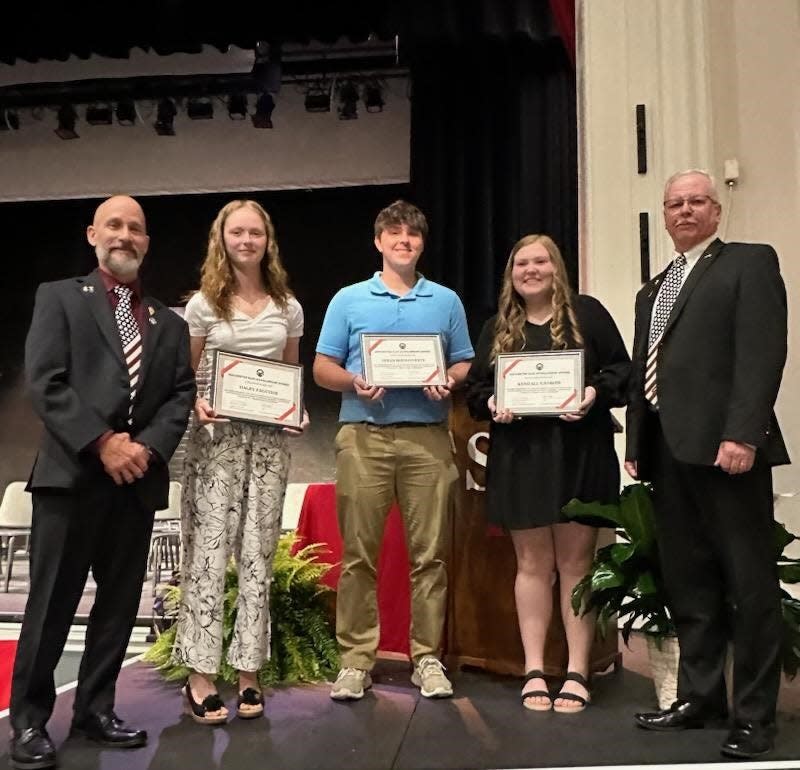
[369, 306]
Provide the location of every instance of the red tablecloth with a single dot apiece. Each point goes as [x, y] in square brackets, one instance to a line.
[8, 649]
[318, 524]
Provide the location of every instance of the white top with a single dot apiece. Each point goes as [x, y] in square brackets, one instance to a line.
[265, 335]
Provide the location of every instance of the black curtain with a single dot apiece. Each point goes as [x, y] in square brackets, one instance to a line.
[493, 156]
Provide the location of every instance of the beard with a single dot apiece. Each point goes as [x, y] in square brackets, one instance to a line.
[123, 265]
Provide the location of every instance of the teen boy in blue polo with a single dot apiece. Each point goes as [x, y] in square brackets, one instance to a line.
[392, 443]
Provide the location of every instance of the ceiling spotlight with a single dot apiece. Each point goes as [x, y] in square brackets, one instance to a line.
[126, 112]
[9, 119]
[373, 97]
[348, 101]
[200, 109]
[165, 118]
[66, 122]
[237, 106]
[99, 115]
[318, 97]
[263, 114]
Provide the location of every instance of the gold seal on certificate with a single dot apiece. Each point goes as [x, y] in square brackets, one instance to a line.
[257, 389]
[545, 383]
[403, 360]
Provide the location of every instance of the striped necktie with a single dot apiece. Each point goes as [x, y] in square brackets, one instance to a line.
[131, 339]
[666, 299]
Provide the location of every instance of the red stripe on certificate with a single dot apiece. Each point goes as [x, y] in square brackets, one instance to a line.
[288, 412]
[435, 372]
[229, 367]
[511, 366]
[374, 345]
[574, 394]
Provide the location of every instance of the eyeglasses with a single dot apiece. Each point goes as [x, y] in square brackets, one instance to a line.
[674, 205]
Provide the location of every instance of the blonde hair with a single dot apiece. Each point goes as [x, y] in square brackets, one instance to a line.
[217, 280]
[509, 328]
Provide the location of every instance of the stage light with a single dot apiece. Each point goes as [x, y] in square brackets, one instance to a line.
[373, 97]
[348, 101]
[237, 106]
[165, 118]
[200, 109]
[9, 119]
[99, 115]
[66, 122]
[318, 97]
[263, 114]
[126, 112]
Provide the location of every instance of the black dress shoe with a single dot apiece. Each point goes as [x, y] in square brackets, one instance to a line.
[749, 740]
[108, 730]
[681, 715]
[32, 749]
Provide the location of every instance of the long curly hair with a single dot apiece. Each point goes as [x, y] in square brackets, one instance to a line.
[509, 328]
[217, 280]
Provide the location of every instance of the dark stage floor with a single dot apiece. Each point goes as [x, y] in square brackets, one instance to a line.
[393, 727]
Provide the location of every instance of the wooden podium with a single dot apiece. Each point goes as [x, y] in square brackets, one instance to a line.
[481, 618]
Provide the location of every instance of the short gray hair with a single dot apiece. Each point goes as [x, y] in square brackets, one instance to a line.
[688, 172]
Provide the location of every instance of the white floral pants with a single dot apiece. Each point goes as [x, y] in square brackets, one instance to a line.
[233, 489]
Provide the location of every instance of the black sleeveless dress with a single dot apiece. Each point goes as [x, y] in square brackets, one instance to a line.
[536, 465]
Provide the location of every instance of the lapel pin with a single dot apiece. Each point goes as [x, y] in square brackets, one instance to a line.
[706, 256]
[153, 321]
[89, 289]
[151, 310]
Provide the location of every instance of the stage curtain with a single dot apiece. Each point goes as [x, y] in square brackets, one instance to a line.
[8, 650]
[493, 157]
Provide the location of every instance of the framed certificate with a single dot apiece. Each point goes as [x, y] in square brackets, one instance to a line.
[545, 383]
[403, 360]
[257, 389]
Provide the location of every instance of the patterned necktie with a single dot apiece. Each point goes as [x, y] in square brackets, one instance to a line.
[131, 338]
[666, 299]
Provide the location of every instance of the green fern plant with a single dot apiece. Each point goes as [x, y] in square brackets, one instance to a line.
[304, 646]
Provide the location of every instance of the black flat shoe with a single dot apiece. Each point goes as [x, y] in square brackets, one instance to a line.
[252, 698]
[583, 702]
[31, 749]
[107, 729]
[749, 740]
[199, 711]
[681, 715]
[535, 674]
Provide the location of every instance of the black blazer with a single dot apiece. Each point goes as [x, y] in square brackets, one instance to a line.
[79, 385]
[721, 358]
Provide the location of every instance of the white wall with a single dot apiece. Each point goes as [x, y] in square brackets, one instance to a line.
[304, 150]
[720, 79]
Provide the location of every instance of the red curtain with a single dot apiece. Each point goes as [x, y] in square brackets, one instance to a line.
[564, 17]
[8, 650]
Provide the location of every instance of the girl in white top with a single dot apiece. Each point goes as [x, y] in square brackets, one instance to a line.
[235, 473]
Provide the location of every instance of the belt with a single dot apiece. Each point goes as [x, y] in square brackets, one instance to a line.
[398, 424]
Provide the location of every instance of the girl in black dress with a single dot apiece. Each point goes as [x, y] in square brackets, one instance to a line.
[537, 464]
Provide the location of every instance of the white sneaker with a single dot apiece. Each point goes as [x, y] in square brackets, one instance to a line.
[429, 677]
[350, 684]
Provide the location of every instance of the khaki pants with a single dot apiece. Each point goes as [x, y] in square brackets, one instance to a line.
[374, 466]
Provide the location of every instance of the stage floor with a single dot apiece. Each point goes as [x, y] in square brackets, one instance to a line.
[483, 726]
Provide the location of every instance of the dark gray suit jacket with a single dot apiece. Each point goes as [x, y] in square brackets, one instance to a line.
[79, 385]
[721, 358]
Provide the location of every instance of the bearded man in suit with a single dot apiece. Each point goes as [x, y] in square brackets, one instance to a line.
[709, 351]
[109, 374]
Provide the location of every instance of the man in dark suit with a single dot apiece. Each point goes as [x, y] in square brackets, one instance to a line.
[709, 350]
[109, 374]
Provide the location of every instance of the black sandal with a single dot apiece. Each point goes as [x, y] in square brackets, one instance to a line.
[536, 674]
[250, 697]
[199, 711]
[573, 676]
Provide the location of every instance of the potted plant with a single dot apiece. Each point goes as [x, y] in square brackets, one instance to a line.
[625, 586]
[304, 646]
